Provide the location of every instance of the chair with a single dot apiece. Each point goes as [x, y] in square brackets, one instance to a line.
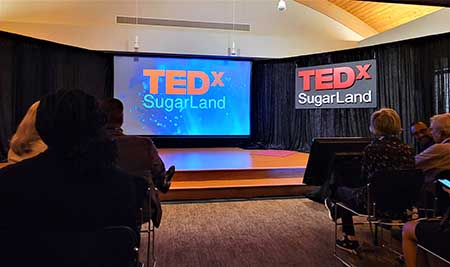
[390, 194]
[152, 216]
[112, 246]
[439, 258]
[438, 197]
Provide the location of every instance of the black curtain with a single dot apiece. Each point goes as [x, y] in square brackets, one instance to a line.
[413, 78]
[406, 83]
[31, 68]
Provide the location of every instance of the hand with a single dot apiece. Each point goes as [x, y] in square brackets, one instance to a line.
[446, 189]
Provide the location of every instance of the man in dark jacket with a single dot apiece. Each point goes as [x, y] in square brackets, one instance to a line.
[137, 155]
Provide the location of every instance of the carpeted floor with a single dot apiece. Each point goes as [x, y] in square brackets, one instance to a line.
[279, 232]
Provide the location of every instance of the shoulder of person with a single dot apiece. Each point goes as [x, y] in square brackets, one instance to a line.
[122, 174]
[28, 165]
[135, 139]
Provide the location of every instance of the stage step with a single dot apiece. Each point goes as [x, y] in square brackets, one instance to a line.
[238, 183]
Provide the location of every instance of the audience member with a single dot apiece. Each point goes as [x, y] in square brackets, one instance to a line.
[432, 234]
[26, 142]
[436, 158]
[422, 135]
[72, 187]
[137, 155]
[384, 153]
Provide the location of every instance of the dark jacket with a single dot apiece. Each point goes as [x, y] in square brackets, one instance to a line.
[48, 194]
[138, 155]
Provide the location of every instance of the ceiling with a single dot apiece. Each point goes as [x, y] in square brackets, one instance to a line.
[369, 18]
[362, 17]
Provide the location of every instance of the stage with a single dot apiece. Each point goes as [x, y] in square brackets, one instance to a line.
[209, 173]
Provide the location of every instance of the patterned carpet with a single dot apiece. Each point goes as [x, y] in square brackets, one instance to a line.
[280, 232]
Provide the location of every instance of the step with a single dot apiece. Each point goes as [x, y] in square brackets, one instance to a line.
[208, 193]
[237, 174]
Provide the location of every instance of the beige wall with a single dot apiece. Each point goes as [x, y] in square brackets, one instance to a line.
[91, 24]
[434, 23]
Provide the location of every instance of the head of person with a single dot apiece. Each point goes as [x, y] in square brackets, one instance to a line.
[113, 109]
[72, 125]
[26, 132]
[421, 132]
[440, 127]
[384, 122]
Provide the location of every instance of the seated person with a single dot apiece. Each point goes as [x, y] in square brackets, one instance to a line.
[436, 158]
[386, 152]
[26, 142]
[137, 155]
[432, 234]
[72, 187]
[422, 135]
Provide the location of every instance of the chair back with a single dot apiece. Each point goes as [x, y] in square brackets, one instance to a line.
[394, 191]
[113, 246]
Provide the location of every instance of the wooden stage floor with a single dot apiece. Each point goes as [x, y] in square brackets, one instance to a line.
[205, 173]
[188, 159]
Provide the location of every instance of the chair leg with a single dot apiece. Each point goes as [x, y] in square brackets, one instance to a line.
[335, 228]
[374, 233]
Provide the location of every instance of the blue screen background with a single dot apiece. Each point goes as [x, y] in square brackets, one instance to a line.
[161, 118]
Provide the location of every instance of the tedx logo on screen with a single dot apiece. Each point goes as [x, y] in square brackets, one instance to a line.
[181, 82]
[345, 85]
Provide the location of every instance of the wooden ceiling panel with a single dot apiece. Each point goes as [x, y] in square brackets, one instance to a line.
[384, 16]
[377, 15]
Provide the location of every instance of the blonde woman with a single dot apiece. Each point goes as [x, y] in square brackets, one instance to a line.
[386, 152]
[26, 142]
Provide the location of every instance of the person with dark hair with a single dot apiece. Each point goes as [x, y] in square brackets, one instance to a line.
[386, 152]
[71, 187]
[137, 155]
[422, 135]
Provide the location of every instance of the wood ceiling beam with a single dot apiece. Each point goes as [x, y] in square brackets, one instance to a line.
[444, 3]
[340, 15]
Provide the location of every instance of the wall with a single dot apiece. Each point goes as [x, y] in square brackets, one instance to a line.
[296, 31]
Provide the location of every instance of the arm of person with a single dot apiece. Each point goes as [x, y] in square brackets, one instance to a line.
[156, 164]
[428, 157]
[446, 189]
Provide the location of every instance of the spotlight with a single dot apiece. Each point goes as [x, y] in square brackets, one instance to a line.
[282, 5]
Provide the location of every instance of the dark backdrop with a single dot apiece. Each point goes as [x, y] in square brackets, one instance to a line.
[406, 82]
[31, 68]
[412, 78]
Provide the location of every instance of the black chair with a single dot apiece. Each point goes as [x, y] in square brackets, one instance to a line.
[112, 246]
[443, 260]
[390, 194]
[439, 198]
[150, 219]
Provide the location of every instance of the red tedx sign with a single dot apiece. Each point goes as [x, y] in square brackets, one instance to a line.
[181, 82]
[334, 78]
[341, 85]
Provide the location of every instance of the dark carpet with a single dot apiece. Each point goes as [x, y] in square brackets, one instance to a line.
[277, 232]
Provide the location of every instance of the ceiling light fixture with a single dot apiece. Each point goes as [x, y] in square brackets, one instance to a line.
[136, 37]
[233, 50]
[282, 5]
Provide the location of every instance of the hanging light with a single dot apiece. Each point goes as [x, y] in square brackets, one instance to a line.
[233, 50]
[136, 37]
[282, 5]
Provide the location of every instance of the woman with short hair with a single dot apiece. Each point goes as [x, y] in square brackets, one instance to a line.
[386, 152]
